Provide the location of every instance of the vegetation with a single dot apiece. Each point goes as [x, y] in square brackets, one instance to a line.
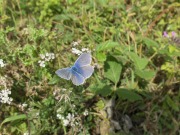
[135, 87]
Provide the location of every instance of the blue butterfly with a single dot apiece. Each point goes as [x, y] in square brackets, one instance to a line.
[79, 72]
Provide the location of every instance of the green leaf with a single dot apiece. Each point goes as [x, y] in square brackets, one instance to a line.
[140, 63]
[13, 118]
[102, 89]
[150, 43]
[100, 104]
[29, 50]
[128, 94]
[172, 104]
[106, 45]
[101, 56]
[54, 80]
[102, 2]
[113, 71]
[145, 74]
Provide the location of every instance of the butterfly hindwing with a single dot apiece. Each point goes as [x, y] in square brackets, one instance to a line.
[64, 73]
[77, 78]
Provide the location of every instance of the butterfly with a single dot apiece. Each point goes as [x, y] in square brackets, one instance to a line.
[79, 72]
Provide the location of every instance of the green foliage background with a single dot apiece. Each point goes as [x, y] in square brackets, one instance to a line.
[134, 64]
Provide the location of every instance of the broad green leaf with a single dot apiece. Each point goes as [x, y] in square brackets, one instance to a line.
[113, 71]
[13, 118]
[150, 43]
[140, 63]
[101, 56]
[128, 94]
[106, 45]
[145, 74]
[164, 51]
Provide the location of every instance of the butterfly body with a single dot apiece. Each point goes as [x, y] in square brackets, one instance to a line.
[79, 72]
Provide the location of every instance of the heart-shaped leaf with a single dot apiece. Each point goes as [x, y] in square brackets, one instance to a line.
[113, 71]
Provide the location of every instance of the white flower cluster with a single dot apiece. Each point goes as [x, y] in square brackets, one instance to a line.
[76, 51]
[4, 96]
[45, 58]
[68, 120]
[2, 64]
[79, 52]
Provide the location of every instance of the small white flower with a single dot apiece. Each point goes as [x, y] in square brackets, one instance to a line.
[59, 116]
[24, 105]
[41, 63]
[73, 106]
[84, 49]
[52, 56]
[68, 116]
[26, 133]
[63, 89]
[47, 54]
[59, 110]
[37, 114]
[42, 56]
[85, 113]
[76, 51]
[46, 57]
[2, 64]
[75, 43]
[65, 122]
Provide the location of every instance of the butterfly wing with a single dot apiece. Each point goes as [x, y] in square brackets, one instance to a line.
[64, 73]
[83, 60]
[77, 78]
[86, 71]
[83, 66]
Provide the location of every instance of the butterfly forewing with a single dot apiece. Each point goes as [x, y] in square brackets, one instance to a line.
[64, 73]
[83, 60]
